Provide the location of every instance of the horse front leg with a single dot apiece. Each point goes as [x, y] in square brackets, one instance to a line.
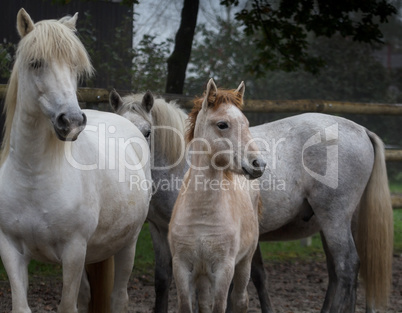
[182, 272]
[73, 261]
[163, 267]
[239, 296]
[16, 265]
[259, 277]
[221, 280]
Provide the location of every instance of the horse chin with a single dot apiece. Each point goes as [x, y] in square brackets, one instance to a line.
[251, 174]
[70, 136]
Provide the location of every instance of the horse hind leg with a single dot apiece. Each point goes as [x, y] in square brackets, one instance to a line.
[343, 267]
[331, 277]
[84, 295]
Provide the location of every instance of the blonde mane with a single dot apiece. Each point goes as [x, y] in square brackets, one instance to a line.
[215, 100]
[49, 40]
[163, 114]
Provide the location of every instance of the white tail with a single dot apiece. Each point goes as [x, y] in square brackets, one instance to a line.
[376, 231]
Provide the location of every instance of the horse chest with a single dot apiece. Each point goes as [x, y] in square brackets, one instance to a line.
[37, 210]
[205, 228]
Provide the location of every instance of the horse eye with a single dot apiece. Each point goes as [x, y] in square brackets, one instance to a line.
[222, 125]
[35, 64]
[147, 134]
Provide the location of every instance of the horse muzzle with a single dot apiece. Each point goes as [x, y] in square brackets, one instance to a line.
[254, 169]
[69, 126]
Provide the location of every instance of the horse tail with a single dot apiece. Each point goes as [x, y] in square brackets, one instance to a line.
[100, 277]
[375, 231]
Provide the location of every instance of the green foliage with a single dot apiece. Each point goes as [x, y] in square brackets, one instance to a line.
[351, 72]
[282, 29]
[148, 69]
[149, 66]
[87, 34]
[7, 52]
[220, 55]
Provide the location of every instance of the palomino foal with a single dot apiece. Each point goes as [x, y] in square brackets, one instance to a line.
[213, 231]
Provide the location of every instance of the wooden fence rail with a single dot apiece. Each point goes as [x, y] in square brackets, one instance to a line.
[97, 95]
[273, 106]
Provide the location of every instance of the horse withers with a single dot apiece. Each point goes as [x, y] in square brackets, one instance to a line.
[213, 231]
[65, 192]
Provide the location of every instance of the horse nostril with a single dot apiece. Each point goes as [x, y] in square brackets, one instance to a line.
[84, 119]
[63, 121]
[259, 164]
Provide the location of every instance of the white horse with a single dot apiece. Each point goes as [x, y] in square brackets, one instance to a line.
[325, 174]
[65, 193]
[213, 231]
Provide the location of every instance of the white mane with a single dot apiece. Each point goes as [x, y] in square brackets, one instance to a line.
[163, 114]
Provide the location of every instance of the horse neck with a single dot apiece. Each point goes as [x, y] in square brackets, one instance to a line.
[32, 142]
[207, 198]
[202, 167]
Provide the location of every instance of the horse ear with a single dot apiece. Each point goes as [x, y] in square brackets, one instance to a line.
[148, 101]
[115, 100]
[241, 89]
[69, 21]
[24, 23]
[210, 95]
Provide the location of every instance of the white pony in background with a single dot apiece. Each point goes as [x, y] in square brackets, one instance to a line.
[65, 194]
[163, 124]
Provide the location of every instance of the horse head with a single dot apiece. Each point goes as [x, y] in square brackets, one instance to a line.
[222, 132]
[136, 108]
[50, 60]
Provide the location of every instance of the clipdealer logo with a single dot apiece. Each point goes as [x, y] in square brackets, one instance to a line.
[330, 178]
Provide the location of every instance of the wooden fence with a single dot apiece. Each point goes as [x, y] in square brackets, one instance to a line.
[97, 95]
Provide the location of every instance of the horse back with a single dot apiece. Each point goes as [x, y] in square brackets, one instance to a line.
[311, 159]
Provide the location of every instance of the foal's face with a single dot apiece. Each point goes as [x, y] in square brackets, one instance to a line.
[232, 147]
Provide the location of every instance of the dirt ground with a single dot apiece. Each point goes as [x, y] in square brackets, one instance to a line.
[295, 287]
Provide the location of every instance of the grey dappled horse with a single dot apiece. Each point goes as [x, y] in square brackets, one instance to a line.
[324, 174]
